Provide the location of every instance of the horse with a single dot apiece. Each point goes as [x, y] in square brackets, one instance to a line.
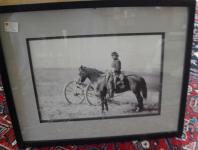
[134, 83]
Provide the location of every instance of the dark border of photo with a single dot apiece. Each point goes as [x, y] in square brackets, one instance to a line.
[28, 40]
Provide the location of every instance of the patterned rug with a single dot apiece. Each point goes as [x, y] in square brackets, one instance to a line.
[188, 141]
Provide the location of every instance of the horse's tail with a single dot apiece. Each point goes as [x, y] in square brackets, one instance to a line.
[144, 88]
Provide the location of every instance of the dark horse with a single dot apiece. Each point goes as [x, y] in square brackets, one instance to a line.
[103, 82]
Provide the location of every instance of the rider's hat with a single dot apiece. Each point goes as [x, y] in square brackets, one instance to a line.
[114, 54]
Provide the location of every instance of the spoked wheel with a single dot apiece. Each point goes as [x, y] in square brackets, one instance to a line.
[91, 97]
[74, 93]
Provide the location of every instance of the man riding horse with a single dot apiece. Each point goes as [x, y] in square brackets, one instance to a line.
[118, 77]
[106, 85]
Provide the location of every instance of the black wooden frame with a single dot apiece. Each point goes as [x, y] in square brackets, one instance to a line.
[190, 4]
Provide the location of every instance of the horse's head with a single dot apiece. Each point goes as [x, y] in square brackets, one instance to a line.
[91, 73]
[83, 74]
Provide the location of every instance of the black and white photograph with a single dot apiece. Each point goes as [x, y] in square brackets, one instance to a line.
[84, 77]
[96, 71]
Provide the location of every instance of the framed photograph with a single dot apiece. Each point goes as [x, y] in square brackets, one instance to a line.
[96, 71]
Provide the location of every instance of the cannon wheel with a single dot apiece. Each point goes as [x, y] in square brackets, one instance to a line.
[90, 96]
[74, 93]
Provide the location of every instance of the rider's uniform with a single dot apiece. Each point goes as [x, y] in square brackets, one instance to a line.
[116, 66]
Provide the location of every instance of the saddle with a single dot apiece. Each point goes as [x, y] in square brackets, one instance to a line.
[120, 83]
[118, 80]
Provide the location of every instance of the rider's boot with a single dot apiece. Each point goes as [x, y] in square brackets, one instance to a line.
[121, 82]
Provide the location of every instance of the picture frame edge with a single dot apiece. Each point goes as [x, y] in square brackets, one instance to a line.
[55, 6]
[95, 4]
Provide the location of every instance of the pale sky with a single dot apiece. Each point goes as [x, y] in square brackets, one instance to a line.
[137, 52]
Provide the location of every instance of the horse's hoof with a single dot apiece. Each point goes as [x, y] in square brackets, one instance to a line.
[141, 110]
[138, 109]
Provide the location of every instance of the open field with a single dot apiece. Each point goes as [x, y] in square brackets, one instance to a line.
[53, 106]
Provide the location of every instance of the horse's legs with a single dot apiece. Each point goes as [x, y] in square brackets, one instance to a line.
[140, 100]
[102, 103]
[106, 104]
